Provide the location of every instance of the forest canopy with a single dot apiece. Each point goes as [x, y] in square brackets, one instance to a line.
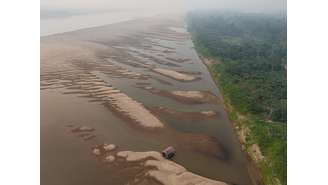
[253, 48]
[250, 66]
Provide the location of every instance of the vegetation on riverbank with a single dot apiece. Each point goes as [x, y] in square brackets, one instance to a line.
[249, 62]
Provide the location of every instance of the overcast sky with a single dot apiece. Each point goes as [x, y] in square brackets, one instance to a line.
[166, 6]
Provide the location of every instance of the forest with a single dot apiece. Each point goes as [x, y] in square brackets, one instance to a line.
[250, 67]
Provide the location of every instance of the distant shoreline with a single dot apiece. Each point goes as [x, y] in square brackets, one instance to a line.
[61, 25]
[64, 24]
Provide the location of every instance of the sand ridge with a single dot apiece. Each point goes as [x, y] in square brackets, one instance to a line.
[102, 66]
[175, 75]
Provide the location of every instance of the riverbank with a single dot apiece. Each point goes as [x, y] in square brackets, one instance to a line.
[259, 166]
[252, 80]
[240, 129]
[100, 81]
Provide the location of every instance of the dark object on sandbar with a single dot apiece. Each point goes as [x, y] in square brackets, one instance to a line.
[169, 152]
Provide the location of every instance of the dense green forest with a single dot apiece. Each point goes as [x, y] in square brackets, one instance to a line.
[250, 54]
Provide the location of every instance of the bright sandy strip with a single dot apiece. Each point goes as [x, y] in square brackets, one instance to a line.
[189, 94]
[134, 110]
[166, 171]
[174, 74]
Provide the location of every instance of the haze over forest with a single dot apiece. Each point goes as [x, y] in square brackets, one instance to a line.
[164, 6]
[208, 76]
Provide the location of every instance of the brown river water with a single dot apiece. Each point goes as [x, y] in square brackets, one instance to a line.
[116, 79]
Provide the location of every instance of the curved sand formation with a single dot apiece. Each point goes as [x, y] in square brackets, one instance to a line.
[165, 171]
[184, 115]
[190, 97]
[189, 94]
[208, 113]
[193, 96]
[120, 103]
[155, 167]
[135, 111]
[175, 75]
[178, 60]
[71, 64]
[90, 85]
[84, 132]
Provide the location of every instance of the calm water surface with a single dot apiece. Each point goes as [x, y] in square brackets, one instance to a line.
[60, 24]
[66, 159]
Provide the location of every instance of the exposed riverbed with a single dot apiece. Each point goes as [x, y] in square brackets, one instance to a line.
[141, 86]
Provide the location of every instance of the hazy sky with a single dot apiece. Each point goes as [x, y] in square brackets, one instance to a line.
[166, 6]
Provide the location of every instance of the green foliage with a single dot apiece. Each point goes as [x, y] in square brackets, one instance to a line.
[273, 143]
[252, 50]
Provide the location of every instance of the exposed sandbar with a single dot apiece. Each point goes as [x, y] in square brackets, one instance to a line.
[184, 115]
[135, 111]
[165, 171]
[174, 74]
[190, 97]
[153, 165]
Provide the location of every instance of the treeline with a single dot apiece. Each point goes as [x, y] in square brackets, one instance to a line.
[253, 49]
[251, 67]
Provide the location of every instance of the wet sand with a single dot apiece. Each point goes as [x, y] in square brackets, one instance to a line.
[97, 86]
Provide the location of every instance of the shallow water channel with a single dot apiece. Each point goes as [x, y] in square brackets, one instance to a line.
[123, 56]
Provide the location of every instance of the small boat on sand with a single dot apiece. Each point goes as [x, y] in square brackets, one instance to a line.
[169, 152]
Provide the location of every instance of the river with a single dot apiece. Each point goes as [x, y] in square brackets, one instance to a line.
[118, 78]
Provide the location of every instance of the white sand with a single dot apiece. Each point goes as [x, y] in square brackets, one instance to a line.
[134, 110]
[107, 92]
[166, 172]
[109, 147]
[96, 151]
[138, 156]
[109, 158]
[84, 129]
[174, 74]
[189, 94]
[256, 152]
[208, 113]
[148, 87]
[103, 88]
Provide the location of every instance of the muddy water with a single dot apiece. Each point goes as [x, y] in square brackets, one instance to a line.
[75, 66]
